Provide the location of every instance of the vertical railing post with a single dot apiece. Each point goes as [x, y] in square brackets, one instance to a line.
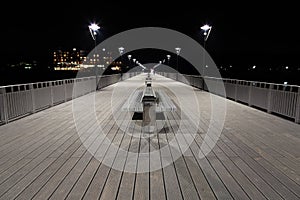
[97, 83]
[269, 99]
[203, 82]
[92, 84]
[250, 94]
[65, 90]
[51, 93]
[297, 117]
[4, 110]
[235, 90]
[32, 97]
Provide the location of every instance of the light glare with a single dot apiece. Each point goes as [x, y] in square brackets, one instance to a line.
[94, 27]
[206, 27]
[178, 50]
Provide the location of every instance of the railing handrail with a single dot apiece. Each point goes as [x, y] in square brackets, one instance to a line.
[282, 99]
[260, 82]
[20, 100]
[39, 82]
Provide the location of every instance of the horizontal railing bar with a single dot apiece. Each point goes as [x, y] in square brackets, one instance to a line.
[42, 95]
[260, 82]
[281, 99]
[41, 82]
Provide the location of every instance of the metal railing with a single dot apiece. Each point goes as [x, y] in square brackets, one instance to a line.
[271, 97]
[17, 101]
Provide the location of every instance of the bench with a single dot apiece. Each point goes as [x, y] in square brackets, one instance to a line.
[149, 103]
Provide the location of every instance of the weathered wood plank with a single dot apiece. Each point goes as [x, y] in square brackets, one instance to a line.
[157, 183]
[127, 183]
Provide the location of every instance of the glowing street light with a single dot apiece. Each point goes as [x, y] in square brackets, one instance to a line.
[168, 57]
[93, 30]
[121, 50]
[206, 28]
[133, 61]
[94, 27]
[129, 58]
[177, 49]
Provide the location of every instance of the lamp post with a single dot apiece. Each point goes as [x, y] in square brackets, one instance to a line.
[168, 57]
[93, 30]
[177, 49]
[129, 58]
[121, 51]
[206, 28]
[103, 51]
[133, 61]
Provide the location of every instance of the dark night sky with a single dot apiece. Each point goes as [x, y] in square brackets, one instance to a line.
[245, 32]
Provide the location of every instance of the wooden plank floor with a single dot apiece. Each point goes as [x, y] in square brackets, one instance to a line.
[47, 156]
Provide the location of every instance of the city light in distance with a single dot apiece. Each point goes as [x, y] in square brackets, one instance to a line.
[116, 68]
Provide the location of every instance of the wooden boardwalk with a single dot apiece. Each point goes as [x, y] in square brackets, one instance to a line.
[42, 156]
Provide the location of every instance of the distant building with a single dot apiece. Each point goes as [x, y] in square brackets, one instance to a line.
[76, 59]
[68, 59]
